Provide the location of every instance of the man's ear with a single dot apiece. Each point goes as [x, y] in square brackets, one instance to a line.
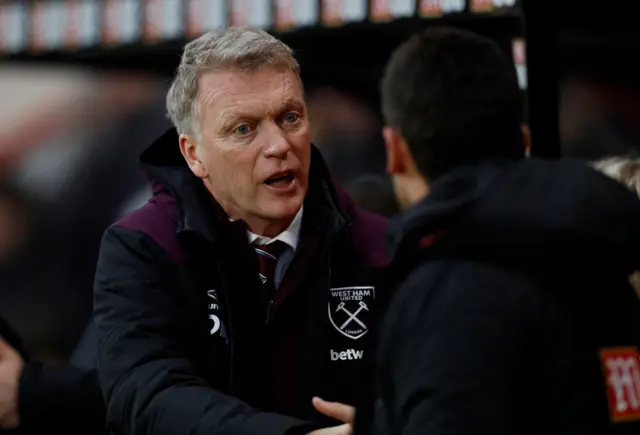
[396, 151]
[189, 150]
[526, 139]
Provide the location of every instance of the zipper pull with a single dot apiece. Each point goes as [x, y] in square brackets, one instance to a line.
[269, 307]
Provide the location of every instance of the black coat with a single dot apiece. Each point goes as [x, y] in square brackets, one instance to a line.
[183, 347]
[512, 310]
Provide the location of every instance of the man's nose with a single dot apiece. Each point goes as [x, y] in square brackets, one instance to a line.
[277, 144]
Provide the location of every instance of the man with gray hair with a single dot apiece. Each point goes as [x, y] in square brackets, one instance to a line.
[242, 289]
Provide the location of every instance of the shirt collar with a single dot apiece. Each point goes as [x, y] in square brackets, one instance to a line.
[290, 236]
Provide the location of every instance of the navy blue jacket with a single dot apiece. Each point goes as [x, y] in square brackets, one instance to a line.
[183, 348]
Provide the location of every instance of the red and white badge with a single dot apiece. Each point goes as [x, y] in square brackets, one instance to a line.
[622, 372]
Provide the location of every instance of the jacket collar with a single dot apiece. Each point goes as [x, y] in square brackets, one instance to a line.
[290, 236]
[450, 199]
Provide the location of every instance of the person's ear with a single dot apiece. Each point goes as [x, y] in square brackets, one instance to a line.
[526, 139]
[397, 151]
[189, 150]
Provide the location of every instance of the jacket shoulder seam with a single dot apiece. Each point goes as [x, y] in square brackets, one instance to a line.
[156, 223]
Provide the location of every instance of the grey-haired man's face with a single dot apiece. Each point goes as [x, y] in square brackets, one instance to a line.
[255, 142]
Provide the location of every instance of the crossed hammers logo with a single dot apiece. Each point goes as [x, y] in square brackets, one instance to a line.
[352, 316]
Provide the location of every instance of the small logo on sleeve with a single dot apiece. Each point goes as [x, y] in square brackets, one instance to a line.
[621, 367]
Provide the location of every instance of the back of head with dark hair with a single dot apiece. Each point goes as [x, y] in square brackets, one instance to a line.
[454, 97]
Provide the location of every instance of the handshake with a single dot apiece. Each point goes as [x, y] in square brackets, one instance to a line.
[338, 411]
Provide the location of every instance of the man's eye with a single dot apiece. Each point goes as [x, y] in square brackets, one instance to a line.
[291, 118]
[243, 130]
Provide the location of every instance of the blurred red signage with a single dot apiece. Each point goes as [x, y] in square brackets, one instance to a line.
[121, 23]
[205, 15]
[386, 10]
[337, 12]
[490, 5]
[83, 24]
[291, 14]
[437, 8]
[162, 20]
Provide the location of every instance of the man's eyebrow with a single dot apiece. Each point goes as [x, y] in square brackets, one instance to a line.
[294, 103]
[232, 117]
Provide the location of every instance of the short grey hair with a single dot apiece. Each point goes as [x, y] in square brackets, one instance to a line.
[240, 47]
[623, 170]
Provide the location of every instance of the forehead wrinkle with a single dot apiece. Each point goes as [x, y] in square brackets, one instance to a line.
[236, 102]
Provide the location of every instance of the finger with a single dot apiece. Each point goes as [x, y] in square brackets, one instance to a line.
[338, 411]
[347, 429]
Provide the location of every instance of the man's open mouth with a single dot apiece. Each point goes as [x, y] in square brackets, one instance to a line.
[280, 180]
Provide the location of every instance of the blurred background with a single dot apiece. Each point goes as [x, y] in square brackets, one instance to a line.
[82, 87]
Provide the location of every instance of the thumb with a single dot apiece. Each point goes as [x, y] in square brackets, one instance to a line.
[338, 411]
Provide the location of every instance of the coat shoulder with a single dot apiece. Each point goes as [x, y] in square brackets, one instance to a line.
[157, 220]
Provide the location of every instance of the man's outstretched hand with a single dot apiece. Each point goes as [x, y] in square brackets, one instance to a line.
[11, 365]
[337, 411]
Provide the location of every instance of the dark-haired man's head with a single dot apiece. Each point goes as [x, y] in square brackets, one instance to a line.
[450, 98]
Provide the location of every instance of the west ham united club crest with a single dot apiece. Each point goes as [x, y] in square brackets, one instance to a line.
[349, 310]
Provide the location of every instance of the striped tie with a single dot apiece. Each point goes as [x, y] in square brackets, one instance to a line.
[267, 256]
